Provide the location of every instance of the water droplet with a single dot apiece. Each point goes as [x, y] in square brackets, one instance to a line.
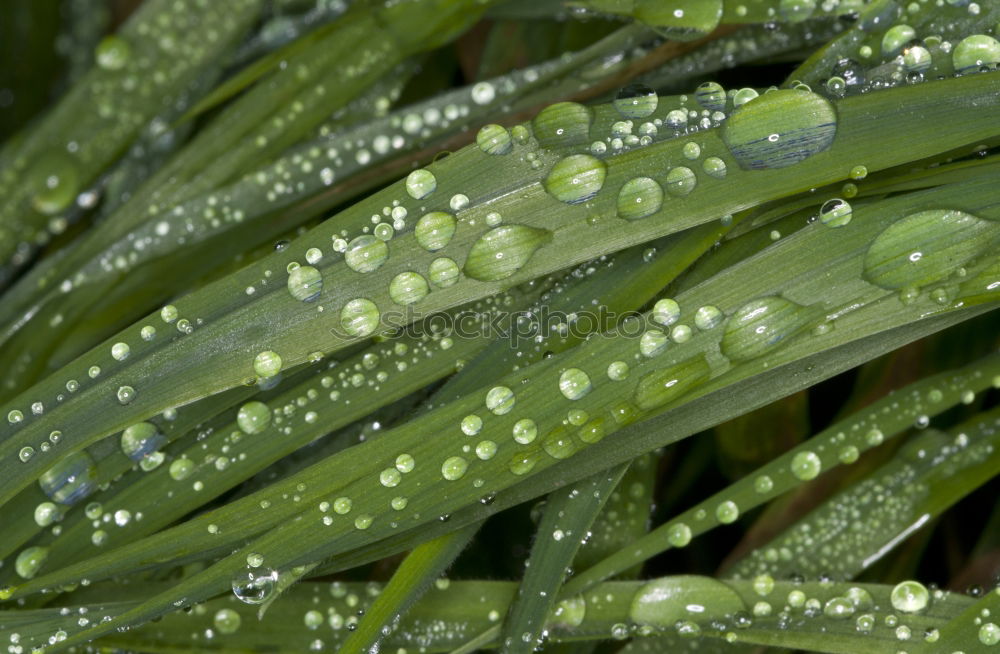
[140, 440]
[30, 560]
[54, 178]
[125, 394]
[390, 477]
[636, 101]
[454, 468]
[660, 387]
[679, 535]
[574, 383]
[727, 512]
[254, 586]
[26, 453]
[835, 213]
[562, 124]
[408, 287]
[664, 602]
[559, 443]
[500, 400]
[434, 230]
[486, 450]
[181, 469]
[443, 272]
[305, 283]
[895, 38]
[471, 424]
[714, 167]
[71, 479]
[760, 325]
[618, 371]
[120, 351]
[779, 129]
[227, 621]
[796, 11]
[711, 96]
[838, 608]
[910, 597]
[763, 484]
[639, 197]
[168, 313]
[359, 317]
[502, 251]
[112, 53]
[975, 51]
[989, 634]
[366, 253]
[707, 317]
[806, 465]
[267, 364]
[666, 312]
[253, 417]
[525, 431]
[576, 178]
[420, 183]
[652, 343]
[926, 247]
[681, 181]
[494, 139]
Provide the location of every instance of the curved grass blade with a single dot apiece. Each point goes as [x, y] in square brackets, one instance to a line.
[304, 539]
[846, 440]
[98, 119]
[410, 580]
[235, 326]
[858, 526]
[569, 514]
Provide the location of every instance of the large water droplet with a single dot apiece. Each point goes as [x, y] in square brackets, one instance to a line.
[780, 128]
[682, 20]
[681, 181]
[434, 230]
[636, 101]
[576, 178]
[71, 479]
[711, 95]
[910, 597]
[420, 183]
[796, 11]
[112, 53]
[760, 325]
[55, 180]
[926, 247]
[563, 124]
[639, 197]
[660, 387]
[305, 283]
[30, 560]
[359, 317]
[502, 251]
[253, 417]
[140, 440]
[494, 139]
[408, 287]
[663, 602]
[254, 586]
[443, 272]
[574, 383]
[974, 52]
[366, 253]
[835, 213]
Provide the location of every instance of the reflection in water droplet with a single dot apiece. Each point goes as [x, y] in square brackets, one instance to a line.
[636, 101]
[502, 251]
[926, 247]
[760, 325]
[434, 230]
[359, 317]
[660, 387]
[71, 479]
[254, 586]
[366, 253]
[639, 197]
[576, 178]
[780, 129]
[562, 124]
